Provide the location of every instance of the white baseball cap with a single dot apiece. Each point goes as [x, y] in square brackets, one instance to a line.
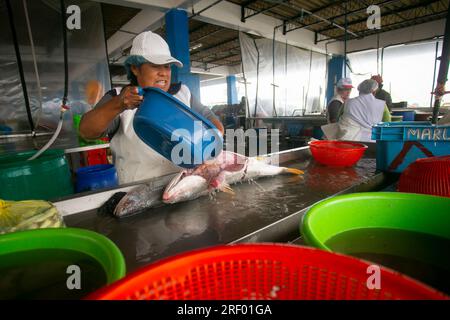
[344, 83]
[153, 48]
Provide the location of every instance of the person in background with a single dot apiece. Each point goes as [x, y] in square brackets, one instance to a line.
[147, 66]
[343, 89]
[381, 93]
[359, 115]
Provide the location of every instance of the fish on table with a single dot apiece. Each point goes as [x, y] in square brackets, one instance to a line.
[214, 175]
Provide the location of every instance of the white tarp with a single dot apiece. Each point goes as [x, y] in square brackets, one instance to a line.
[86, 55]
[298, 85]
[407, 71]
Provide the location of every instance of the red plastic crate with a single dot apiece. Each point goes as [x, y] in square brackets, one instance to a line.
[427, 176]
[261, 272]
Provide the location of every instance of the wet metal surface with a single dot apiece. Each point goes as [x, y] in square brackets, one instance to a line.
[165, 231]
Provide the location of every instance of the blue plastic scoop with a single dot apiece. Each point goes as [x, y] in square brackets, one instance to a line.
[174, 130]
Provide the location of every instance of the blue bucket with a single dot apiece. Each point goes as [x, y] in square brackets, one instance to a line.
[96, 177]
[168, 126]
[408, 115]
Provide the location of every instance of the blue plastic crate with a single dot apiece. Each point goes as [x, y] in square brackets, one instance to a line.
[401, 143]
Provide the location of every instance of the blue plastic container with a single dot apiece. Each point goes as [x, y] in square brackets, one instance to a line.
[408, 115]
[317, 133]
[401, 143]
[294, 128]
[96, 177]
[5, 130]
[164, 123]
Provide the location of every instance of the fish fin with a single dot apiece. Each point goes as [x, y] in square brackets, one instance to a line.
[217, 181]
[232, 162]
[293, 171]
[227, 189]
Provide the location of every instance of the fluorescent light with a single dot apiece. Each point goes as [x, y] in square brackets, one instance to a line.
[195, 47]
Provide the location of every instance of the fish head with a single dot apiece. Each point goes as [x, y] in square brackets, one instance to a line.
[127, 205]
[184, 186]
[138, 199]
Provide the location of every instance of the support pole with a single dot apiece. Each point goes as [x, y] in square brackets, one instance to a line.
[177, 34]
[443, 69]
[232, 97]
[336, 68]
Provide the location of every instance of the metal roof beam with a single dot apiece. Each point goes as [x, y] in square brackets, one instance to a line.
[293, 6]
[223, 58]
[228, 14]
[214, 55]
[362, 9]
[318, 10]
[388, 13]
[193, 40]
[413, 21]
[372, 32]
[204, 9]
[247, 3]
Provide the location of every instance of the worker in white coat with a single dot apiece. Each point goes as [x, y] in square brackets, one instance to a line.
[359, 115]
[149, 65]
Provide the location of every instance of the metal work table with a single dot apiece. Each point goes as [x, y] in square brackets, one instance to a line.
[269, 210]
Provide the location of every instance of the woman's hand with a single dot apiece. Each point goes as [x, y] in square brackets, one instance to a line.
[130, 98]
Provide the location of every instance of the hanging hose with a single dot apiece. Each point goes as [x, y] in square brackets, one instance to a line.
[53, 138]
[64, 107]
[20, 64]
[274, 110]
[257, 79]
[33, 53]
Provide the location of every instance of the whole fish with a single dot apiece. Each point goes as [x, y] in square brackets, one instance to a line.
[140, 198]
[218, 174]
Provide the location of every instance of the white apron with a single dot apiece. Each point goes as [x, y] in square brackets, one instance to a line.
[133, 159]
[360, 114]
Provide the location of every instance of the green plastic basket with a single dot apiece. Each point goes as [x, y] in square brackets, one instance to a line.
[90, 243]
[45, 178]
[404, 211]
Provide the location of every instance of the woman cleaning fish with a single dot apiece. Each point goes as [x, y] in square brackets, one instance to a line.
[149, 65]
[136, 159]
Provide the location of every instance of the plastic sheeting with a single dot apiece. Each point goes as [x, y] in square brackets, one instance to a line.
[297, 86]
[363, 65]
[407, 71]
[87, 63]
[12, 104]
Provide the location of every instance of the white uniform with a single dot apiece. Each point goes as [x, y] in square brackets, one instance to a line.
[360, 114]
[133, 159]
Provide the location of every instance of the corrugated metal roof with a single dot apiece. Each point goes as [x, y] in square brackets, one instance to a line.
[116, 16]
[213, 45]
[395, 14]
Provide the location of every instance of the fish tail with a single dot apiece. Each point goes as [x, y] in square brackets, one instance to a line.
[293, 171]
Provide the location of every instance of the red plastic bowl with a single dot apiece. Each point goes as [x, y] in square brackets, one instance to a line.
[261, 272]
[427, 176]
[337, 153]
